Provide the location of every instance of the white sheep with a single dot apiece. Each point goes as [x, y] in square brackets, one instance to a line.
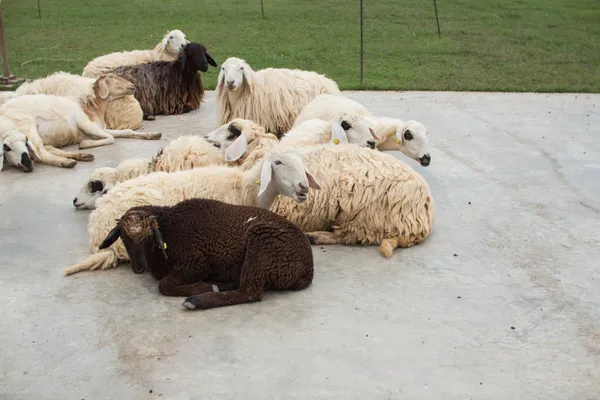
[409, 137]
[281, 172]
[367, 197]
[271, 97]
[51, 122]
[126, 115]
[351, 128]
[183, 153]
[166, 50]
[15, 146]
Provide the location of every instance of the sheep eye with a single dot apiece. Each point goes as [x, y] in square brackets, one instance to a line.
[408, 135]
[6, 148]
[278, 162]
[96, 186]
[170, 37]
[235, 131]
[345, 125]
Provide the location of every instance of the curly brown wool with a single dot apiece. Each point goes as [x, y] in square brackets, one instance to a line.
[240, 251]
[169, 87]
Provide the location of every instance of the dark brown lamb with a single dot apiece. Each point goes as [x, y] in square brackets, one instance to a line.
[169, 87]
[216, 253]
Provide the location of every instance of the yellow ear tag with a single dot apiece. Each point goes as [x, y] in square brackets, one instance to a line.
[336, 141]
[164, 245]
[398, 141]
[258, 181]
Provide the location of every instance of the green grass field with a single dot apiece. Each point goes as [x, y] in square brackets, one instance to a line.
[510, 45]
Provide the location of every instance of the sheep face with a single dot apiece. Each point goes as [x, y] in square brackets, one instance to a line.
[99, 183]
[224, 136]
[174, 42]
[413, 142]
[196, 55]
[111, 87]
[234, 72]
[351, 128]
[15, 151]
[284, 172]
[140, 234]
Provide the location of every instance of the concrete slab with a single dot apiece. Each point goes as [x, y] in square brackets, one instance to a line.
[502, 301]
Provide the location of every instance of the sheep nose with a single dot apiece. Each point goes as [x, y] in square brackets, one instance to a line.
[230, 83]
[303, 188]
[425, 160]
[371, 143]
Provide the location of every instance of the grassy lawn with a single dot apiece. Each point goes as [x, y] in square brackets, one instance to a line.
[510, 45]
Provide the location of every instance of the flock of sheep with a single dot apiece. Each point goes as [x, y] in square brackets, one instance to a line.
[222, 217]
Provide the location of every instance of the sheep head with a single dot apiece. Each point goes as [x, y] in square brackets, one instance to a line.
[139, 231]
[15, 151]
[195, 55]
[173, 42]
[233, 138]
[100, 181]
[111, 87]
[235, 74]
[283, 172]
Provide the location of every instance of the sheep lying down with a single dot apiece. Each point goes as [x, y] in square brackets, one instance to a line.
[218, 254]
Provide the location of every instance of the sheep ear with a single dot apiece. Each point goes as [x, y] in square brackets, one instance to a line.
[211, 60]
[221, 79]
[338, 134]
[237, 148]
[374, 134]
[110, 238]
[103, 90]
[312, 182]
[32, 149]
[265, 176]
[248, 77]
[158, 239]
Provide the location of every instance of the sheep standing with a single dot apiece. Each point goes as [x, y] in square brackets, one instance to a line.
[183, 153]
[409, 137]
[50, 122]
[128, 114]
[272, 97]
[170, 87]
[218, 254]
[281, 172]
[15, 147]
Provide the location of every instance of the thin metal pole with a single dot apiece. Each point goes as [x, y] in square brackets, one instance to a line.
[262, 8]
[436, 19]
[3, 51]
[39, 10]
[361, 42]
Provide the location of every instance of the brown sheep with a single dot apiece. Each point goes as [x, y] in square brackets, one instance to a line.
[216, 253]
[169, 87]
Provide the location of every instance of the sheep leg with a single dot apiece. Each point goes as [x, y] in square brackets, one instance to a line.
[45, 157]
[131, 134]
[179, 284]
[322, 237]
[88, 128]
[252, 283]
[69, 154]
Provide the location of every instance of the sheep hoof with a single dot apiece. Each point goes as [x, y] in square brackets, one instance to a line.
[86, 157]
[311, 239]
[69, 164]
[189, 303]
[148, 116]
[154, 135]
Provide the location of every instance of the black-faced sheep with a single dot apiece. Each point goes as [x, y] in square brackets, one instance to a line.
[218, 254]
[170, 87]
